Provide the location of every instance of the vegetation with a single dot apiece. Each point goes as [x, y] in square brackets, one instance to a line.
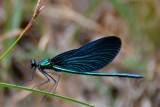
[66, 24]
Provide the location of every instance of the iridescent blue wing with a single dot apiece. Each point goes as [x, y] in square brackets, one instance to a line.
[90, 57]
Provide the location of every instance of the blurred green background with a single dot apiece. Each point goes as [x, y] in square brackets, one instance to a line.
[68, 24]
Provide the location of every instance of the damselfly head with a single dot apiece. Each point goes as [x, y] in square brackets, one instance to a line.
[33, 63]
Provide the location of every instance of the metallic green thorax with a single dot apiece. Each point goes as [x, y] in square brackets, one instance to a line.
[45, 63]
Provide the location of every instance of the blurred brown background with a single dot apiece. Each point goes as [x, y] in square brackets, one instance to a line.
[68, 24]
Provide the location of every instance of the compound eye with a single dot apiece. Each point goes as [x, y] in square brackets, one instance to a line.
[32, 63]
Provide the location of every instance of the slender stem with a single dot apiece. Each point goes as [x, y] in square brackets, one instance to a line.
[44, 93]
[9, 49]
[38, 9]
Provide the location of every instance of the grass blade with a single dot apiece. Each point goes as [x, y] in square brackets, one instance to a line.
[43, 92]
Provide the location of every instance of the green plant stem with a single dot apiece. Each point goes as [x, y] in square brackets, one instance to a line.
[39, 8]
[26, 29]
[43, 92]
